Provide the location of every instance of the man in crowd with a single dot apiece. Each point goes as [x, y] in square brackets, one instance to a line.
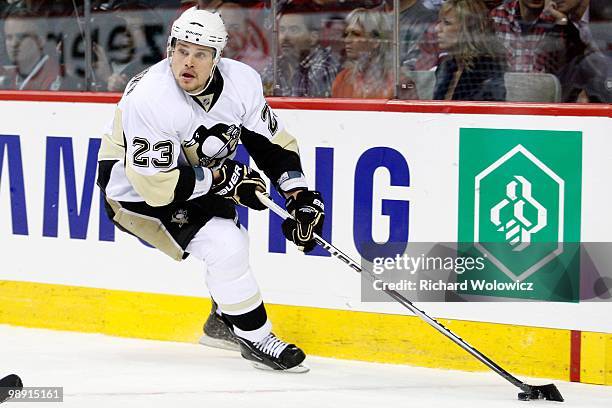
[247, 41]
[522, 26]
[587, 73]
[553, 37]
[414, 19]
[304, 67]
[31, 67]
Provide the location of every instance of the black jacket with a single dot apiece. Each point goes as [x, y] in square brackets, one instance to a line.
[484, 82]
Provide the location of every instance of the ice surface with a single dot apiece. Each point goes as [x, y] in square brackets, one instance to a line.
[103, 371]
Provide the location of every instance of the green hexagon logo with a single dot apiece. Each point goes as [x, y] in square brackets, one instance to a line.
[518, 203]
[519, 207]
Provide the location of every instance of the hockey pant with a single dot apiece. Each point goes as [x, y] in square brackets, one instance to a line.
[224, 248]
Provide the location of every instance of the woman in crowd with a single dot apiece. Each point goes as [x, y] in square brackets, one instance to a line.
[473, 67]
[368, 71]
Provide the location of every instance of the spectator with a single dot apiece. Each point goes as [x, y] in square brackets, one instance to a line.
[4, 7]
[106, 5]
[600, 10]
[32, 67]
[332, 34]
[471, 70]
[332, 5]
[74, 72]
[433, 5]
[491, 4]
[369, 69]
[137, 42]
[72, 47]
[587, 73]
[523, 27]
[429, 53]
[247, 41]
[42, 8]
[554, 37]
[304, 68]
[414, 18]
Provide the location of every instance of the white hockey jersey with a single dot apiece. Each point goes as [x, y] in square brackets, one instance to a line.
[159, 132]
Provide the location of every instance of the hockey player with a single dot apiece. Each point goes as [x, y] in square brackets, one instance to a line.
[167, 171]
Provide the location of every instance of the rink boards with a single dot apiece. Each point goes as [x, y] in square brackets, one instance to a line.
[386, 170]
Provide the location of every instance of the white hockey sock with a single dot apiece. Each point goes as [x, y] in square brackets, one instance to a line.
[255, 335]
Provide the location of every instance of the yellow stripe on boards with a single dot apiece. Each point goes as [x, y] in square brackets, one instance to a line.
[113, 312]
[375, 337]
[596, 358]
[408, 340]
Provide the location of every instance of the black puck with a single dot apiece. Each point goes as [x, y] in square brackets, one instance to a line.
[10, 382]
[523, 396]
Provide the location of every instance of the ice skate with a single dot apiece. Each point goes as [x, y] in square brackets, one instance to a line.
[218, 332]
[271, 353]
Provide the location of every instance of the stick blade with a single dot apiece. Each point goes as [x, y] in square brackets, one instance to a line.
[548, 392]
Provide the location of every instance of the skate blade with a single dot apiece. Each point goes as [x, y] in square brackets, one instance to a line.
[298, 369]
[218, 343]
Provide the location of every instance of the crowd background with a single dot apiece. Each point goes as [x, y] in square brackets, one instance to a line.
[491, 50]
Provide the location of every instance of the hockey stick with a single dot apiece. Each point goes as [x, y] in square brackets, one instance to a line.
[549, 391]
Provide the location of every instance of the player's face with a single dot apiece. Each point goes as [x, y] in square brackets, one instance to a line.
[192, 65]
[448, 30]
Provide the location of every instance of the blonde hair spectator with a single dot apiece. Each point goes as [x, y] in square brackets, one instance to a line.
[472, 67]
[475, 36]
[368, 71]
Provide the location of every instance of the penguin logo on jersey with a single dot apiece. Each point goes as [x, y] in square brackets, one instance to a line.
[209, 147]
[180, 218]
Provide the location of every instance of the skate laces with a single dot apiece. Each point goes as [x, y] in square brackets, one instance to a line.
[271, 345]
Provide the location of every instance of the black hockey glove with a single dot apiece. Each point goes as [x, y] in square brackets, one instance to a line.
[238, 182]
[309, 211]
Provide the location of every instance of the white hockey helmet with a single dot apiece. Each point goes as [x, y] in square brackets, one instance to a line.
[199, 27]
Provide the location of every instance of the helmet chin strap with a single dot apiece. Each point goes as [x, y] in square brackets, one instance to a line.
[210, 78]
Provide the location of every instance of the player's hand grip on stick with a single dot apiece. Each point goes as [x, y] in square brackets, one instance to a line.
[549, 391]
[308, 213]
[239, 183]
